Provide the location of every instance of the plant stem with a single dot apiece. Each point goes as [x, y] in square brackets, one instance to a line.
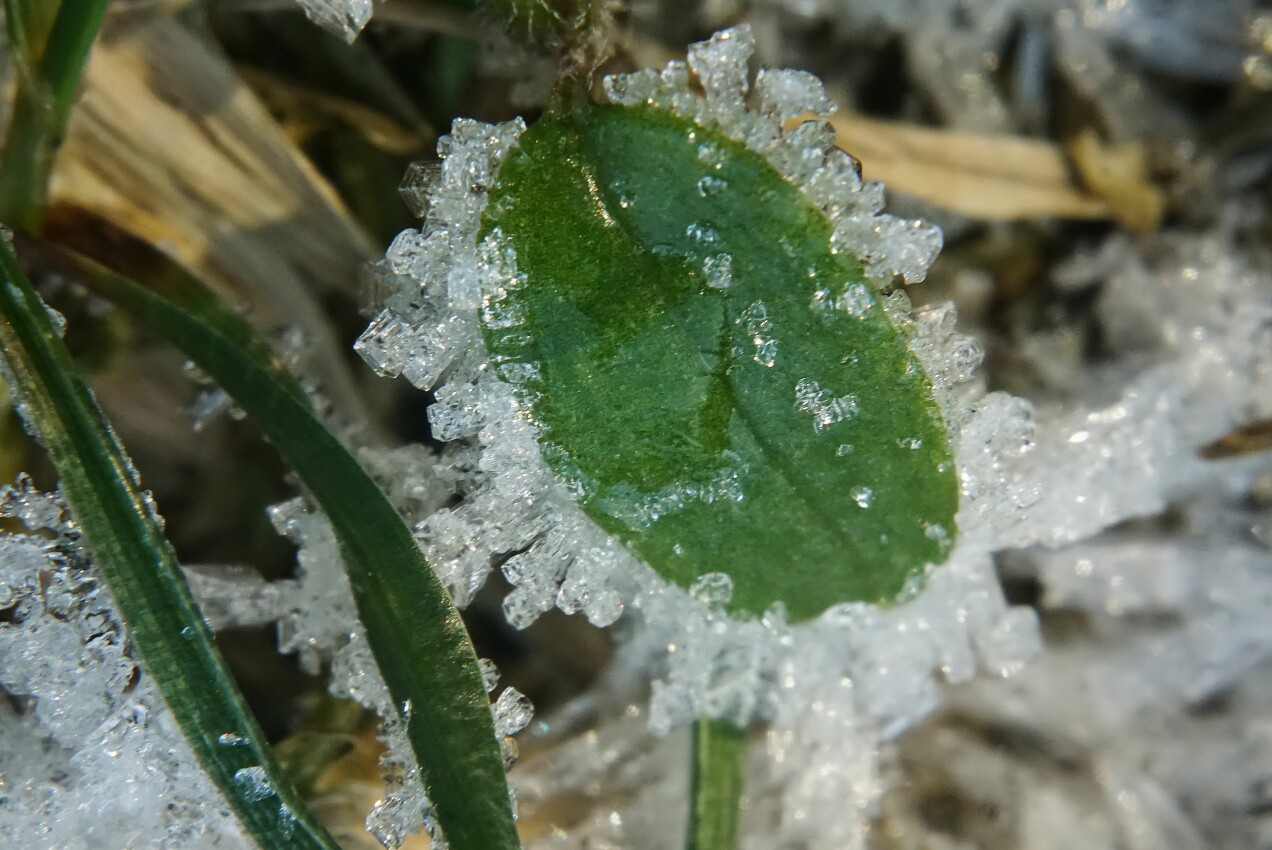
[138, 565]
[719, 768]
[43, 104]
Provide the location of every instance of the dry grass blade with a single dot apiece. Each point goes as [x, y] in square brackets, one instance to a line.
[1119, 174]
[168, 143]
[994, 178]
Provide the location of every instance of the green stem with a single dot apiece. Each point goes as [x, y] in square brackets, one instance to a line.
[140, 569]
[719, 769]
[43, 103]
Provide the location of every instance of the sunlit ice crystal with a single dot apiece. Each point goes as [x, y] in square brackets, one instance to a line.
[91, 755]
[344, 18]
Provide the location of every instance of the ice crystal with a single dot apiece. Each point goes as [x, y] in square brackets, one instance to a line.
[818, 403]
[344, 18]
[90, 755]
[317, 620]
[319, 623]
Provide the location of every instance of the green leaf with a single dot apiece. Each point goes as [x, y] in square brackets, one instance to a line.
[128, 547]
[694, 379]
[417, 636]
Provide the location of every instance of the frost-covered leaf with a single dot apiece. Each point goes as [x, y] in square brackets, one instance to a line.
[722, 388]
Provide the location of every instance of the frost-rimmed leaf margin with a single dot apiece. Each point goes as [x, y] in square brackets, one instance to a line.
[419, 642]
[126, 541]
[437, 281]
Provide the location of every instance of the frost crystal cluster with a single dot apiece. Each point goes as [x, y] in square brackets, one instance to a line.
[957, 52]
[317, 620]
[90, 755]
[841, 683]
[344, 18]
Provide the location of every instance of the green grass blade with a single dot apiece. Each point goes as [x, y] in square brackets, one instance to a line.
[414, 630]
[44, 100]
[719, 770]
[140, 569]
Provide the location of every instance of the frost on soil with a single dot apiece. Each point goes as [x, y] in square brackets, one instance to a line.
[90, 756]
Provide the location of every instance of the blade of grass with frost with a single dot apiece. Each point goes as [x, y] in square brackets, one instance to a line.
[43, 101]
[415, 632]
[140, 568]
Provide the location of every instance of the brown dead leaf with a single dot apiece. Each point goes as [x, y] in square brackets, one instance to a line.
[994, 178]
[169, 144]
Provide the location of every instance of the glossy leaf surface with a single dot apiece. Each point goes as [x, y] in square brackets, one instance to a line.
[725, 392]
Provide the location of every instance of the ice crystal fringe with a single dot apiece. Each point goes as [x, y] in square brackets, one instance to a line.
[834, 688]
[871, 669]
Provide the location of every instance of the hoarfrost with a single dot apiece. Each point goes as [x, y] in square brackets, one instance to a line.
[718, 270]
[319, 623]
[253, 782]
[805, 155]
[317, 620]
[511, 503]
[825, 409]
[91, 756]
[344, 18]
[957, 52]
[835, 691]
[759, 326]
